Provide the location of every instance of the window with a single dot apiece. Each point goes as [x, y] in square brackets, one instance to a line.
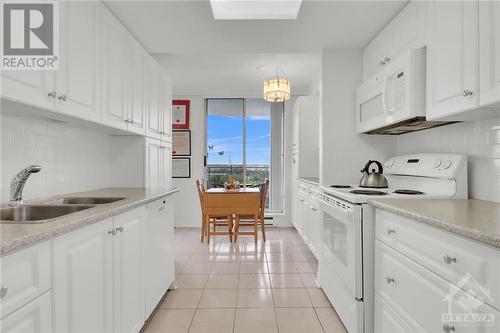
[245, 141]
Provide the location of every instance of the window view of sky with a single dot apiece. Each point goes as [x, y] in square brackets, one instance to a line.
[225, 140]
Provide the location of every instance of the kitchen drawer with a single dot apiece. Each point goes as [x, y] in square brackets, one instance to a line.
[34, 317]
[388, 319]
[25, 275]
[422, 295]
[452, 257]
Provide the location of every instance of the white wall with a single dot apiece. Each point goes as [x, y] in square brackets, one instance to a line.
[72, 159]
[480, 140]
[187, 210]
[342, 151]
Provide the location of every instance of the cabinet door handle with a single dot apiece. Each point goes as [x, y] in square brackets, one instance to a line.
[448, 328]
[387, 60]
[389, 280]
[382, 62]
[3, 292]
[120, 229]
[449, 259]
[112, 232]
[52, 94]
[390, 231]
[62, 98]
[128, 121]
[314, 209]
[467, 93]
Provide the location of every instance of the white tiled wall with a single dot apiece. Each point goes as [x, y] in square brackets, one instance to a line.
[72, 159]
[480, 140]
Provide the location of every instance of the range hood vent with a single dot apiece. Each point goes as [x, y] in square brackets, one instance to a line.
[410, 125]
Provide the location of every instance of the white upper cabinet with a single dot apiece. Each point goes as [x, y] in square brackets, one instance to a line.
[166, 108]
[113, 101]
[154, 127]
[137, 87]
[76, 81]
[407, 30]
[35, 88]
[452, 58]
[489, 53]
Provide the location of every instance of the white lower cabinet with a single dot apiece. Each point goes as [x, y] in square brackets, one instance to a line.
[127, 268]
[307, 217]
[35, 316]
[426, 279]
[159, 271]
[83, 279]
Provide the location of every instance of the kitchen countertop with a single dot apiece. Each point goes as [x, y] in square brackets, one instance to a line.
[312, 180]
[474, 219]
[15, 236]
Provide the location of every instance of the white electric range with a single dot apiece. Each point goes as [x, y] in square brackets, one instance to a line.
[347, 247]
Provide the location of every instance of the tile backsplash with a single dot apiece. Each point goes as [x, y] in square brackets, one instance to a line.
[72, 159]
[479, 140]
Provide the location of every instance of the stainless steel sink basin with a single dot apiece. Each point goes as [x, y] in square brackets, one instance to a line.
[91, 200]
[37, 213]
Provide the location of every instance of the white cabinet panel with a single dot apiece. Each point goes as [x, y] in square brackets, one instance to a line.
[153, 163]
[154, 126]
[489, 53]
[165, 166]
[158, 252]
[30, 87]
[77, 82]
[374, 54]
[113, 101]
[25, 275]
[34, 317]
[388, 319]
[452, 76]
[127, 262]
[82, 284]
[137, 86]
[166, 108]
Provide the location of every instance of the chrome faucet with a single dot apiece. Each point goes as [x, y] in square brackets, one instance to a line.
[17, 184]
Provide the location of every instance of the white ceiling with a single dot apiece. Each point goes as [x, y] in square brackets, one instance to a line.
[219, 57]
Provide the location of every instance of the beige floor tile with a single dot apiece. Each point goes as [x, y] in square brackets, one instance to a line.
[228, 257]
[170, 321]
[182, 298]
[226, 268]
[218, 298]
[183, 256]
[197, 268]
[298, 320]
[213, 321]
[254, 281]
[253, 257]
[279, 257]
[306, 266]
[330, 321]
[318, 298]
[255, 320]
[194, 281]
[309, 280]
[255, 298]
[286, 281]
[253, 267]
[222, 281]
[179, 266]
[291, 298]
[203, 257]
[282, 267]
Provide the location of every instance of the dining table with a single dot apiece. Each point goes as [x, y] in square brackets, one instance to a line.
[232, 202]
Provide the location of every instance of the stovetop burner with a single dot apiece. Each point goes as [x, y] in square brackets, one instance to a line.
[368, 192]
[341, 186]
[410, 192]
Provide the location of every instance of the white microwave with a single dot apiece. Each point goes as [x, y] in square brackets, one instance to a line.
[393, 100]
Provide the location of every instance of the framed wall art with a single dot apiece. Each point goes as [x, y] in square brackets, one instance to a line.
[181, 167]
[180, 114]
[181, 143]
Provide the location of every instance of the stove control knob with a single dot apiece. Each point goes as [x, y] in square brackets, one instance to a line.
[447, 164]
[389, 163]
[437, 163]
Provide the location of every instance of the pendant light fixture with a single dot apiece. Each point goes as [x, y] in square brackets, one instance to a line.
[277, 89]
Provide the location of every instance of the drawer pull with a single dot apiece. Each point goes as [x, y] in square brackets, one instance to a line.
[449, 259]
[112, 232]
[120, 229]
[3, 291]
[448, 328]
[389, 280]
[390, 231]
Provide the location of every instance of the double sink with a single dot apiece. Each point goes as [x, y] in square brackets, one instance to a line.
[45, 212]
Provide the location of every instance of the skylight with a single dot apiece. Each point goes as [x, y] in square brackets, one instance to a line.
[255, 9]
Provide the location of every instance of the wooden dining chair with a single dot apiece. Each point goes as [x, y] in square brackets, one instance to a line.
[213, 220]
[248, 220]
